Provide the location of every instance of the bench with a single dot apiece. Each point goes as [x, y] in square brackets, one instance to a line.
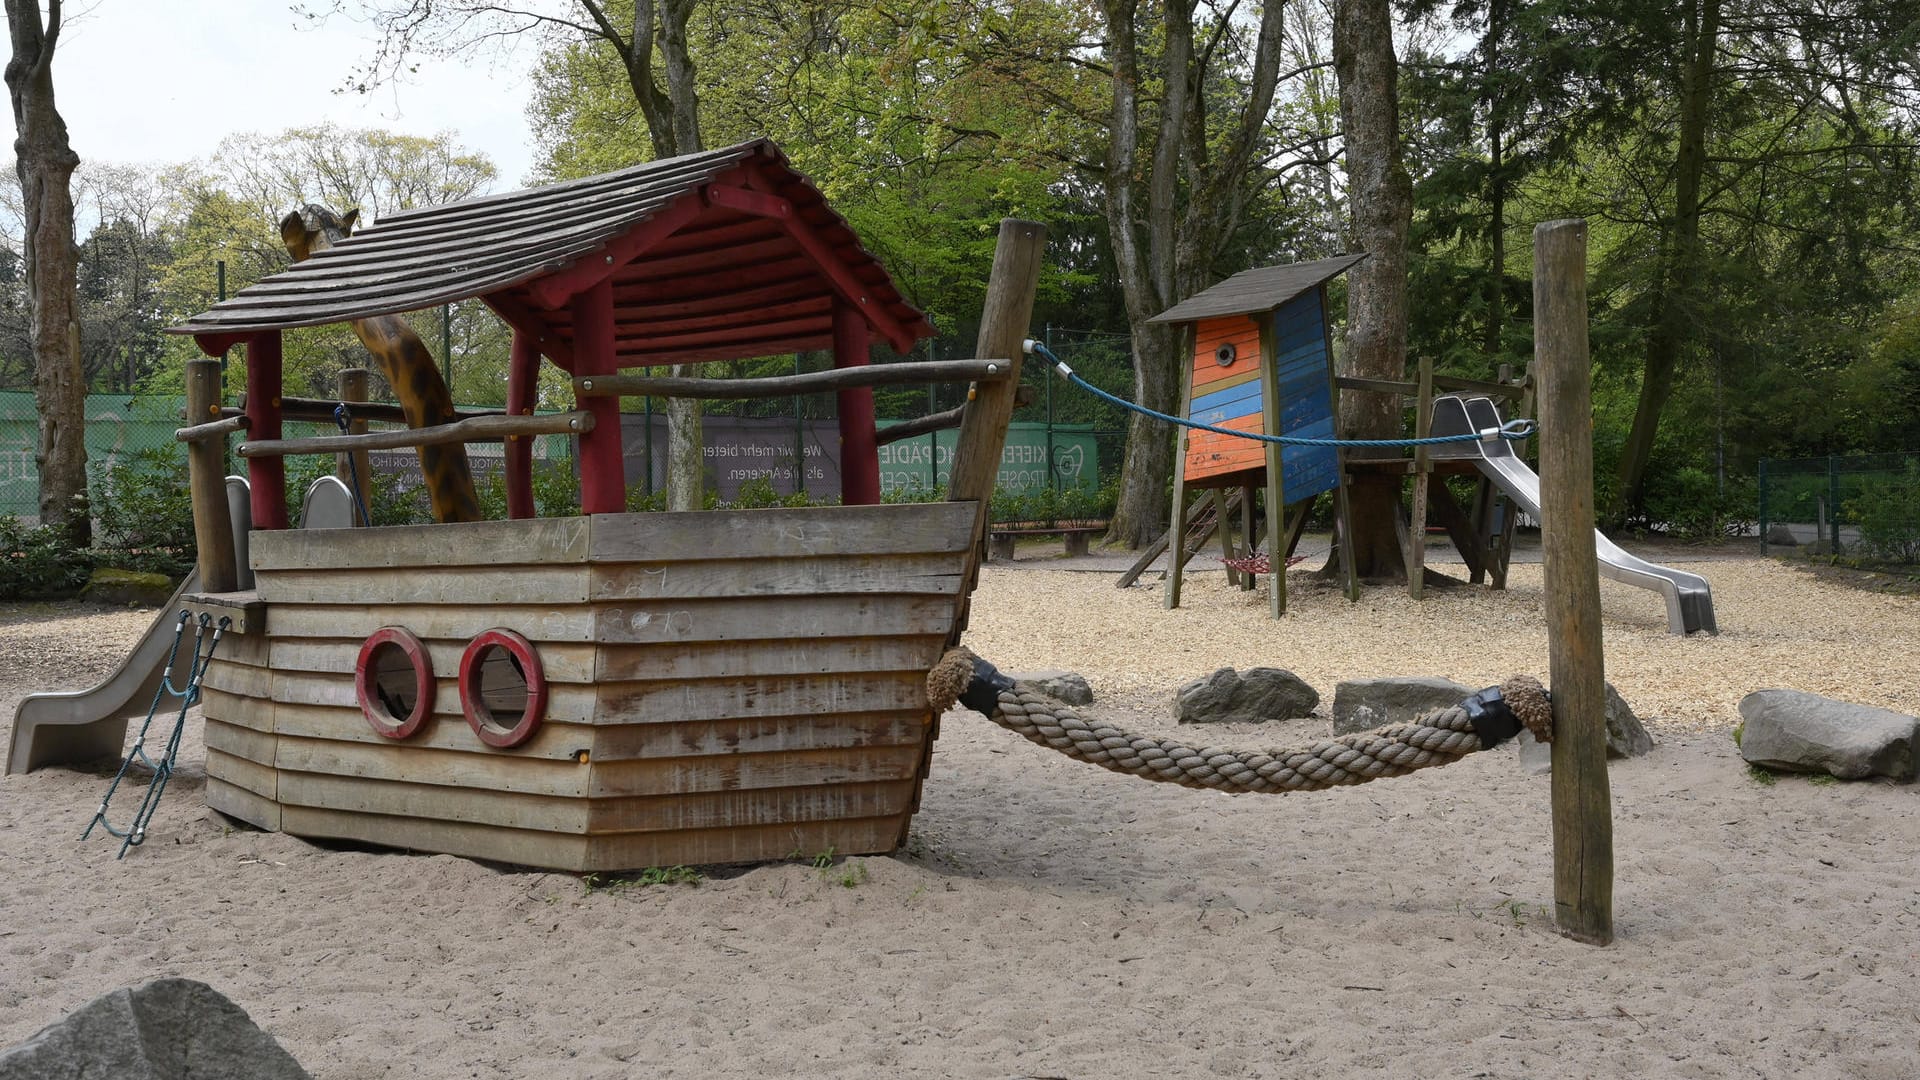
[1001, 537]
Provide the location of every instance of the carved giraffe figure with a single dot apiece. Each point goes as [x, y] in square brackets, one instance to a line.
[407, 365]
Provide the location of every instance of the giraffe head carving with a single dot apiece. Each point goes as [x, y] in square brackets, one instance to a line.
[315, 228]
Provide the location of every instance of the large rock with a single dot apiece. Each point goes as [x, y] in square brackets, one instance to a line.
[1229, 697]
[1365, 704]
[1780, 534]
[1626, 737]
[1068, 686]
[110, 586]
[1799, 732]
[169, 1029]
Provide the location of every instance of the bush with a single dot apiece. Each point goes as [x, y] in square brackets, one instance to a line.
[1688, 504]
[145, 512]
[38, 563]
[1887, 511]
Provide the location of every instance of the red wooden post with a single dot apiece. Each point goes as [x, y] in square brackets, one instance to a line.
[859, 447]
[523, 372]
[266, 476]
[603, 467]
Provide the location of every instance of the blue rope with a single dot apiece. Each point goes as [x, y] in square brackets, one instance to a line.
[1512, 429]
[353, 470]
[136, 832]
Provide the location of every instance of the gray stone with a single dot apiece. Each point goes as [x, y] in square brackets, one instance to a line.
[1365, 704]
[168, 1029]
[1068, 686]
[1800, 732]
[1626, 737]
[107, 585]
[1230, 697]
[1780, 534]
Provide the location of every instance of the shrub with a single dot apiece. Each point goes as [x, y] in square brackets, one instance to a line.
[144, 510]
[1887, 512]
[38, 563]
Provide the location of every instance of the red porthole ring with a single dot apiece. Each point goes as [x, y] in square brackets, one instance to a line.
[500, 673]
[393, 681]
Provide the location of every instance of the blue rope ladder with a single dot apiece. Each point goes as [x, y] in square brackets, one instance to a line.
[189, 695]
[1512, 430]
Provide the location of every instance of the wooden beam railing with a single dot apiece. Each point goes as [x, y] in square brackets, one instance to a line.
[212, 429]
[812, 382]
[320, 411]
[940, 421]
[476, 429]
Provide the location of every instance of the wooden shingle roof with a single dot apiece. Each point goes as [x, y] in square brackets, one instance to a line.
[1261, 289]
[715, 255]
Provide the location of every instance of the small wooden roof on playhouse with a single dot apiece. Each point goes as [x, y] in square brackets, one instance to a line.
[713, 256]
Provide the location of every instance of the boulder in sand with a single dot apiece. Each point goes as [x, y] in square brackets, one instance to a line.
[1364, 704]
[168, 1029]
[1626, 737]
[1068, 686]
[1801, 732]
[1230, 697]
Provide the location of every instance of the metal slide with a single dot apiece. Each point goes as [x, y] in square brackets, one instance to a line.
[1689, 599]
[63, 726]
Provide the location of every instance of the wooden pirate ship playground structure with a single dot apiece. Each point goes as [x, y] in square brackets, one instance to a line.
[612, 689]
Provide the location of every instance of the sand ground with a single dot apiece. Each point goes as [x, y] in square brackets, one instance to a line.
[1052, 920]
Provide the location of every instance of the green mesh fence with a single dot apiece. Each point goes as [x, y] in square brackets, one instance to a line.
[1866, 505]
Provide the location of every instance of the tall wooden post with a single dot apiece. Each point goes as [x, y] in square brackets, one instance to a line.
[1177, 531]
[1270, 423]
[523, 372]
[1582, 804]
[603, 467]
[859, 446]
[355, 467]
[266, 476]
[206, 480]
[983, 427]
[1422, 471]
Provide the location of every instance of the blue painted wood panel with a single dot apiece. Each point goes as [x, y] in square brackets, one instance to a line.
[1306, 397]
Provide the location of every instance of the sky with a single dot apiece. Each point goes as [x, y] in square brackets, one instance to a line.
[159, 81]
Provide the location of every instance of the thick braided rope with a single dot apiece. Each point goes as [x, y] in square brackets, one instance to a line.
[1439, 738]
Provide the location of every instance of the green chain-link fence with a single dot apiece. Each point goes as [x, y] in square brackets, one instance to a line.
[1866, 505]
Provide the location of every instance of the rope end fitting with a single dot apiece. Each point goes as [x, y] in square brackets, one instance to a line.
[1499, 712]
[962, 677]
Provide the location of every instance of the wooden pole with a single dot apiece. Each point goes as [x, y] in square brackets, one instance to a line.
[603, 476]
[1582, 804]
[474, 429]
[354, 467]
[206, 479]
[859, 454]
[983, 430]
[811, 382]
[1177, 532]
[523, 375]
[1422, 469]
[266, 477]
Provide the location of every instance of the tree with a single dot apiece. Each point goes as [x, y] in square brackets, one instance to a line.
[45, 162]
[1380, 193]
[665, 91]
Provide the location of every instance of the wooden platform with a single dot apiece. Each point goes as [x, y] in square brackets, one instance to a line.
[724, 686]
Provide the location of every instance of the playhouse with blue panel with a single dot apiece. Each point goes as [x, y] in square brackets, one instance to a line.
[1262, 363]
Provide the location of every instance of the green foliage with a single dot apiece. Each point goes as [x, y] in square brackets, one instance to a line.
[1887, 511]
[37, 563]
[144, 511]
[652, 875]
[1050, 507]
[1763, 777]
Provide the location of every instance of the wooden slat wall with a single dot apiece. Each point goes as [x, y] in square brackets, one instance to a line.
[240, 727]
[726, 686]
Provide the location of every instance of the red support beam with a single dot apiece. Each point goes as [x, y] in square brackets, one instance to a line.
[757, 203]
[525, 320]
[859, 447]
[523, 373]
[216, 345]
[266, 476]
[603, 467]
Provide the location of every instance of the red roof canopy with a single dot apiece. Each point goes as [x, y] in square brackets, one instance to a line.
[713, 256]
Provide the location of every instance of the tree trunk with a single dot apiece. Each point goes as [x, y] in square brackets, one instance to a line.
[1679, 259]
[1381, 195]
[1496, 188]
[673, 125]
[1141, 515]
[45, 162]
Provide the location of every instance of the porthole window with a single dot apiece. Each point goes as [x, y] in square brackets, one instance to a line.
[393, 681]
[1226, 354]
[502, 688]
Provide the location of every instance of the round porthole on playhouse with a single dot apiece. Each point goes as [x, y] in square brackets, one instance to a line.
[393, 681]
[1226, 354]
[502, 688]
